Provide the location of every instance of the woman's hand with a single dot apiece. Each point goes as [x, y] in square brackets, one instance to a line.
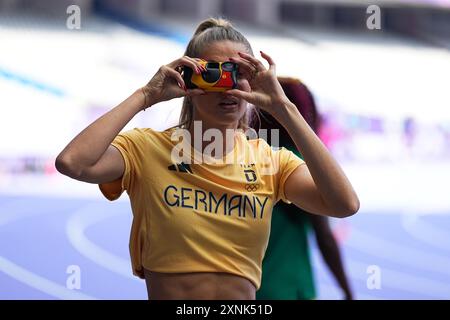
[168, 83]
[266, 91]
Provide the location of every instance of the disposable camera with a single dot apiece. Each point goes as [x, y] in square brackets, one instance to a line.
[218, 77]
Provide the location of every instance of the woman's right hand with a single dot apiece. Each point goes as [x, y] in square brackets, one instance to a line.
[168, 83]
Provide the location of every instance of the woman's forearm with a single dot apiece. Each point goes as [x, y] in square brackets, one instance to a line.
[87, 148]
[91, 143]
[332, 183]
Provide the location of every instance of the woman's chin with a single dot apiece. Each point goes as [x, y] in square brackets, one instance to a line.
[227, 118]
[224, 115]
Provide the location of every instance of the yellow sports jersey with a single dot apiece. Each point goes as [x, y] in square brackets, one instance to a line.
[199, 216]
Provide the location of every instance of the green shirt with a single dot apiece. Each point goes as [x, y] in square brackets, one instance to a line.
[287, 271]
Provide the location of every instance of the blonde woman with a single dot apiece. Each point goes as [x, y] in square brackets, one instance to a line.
[200, 229]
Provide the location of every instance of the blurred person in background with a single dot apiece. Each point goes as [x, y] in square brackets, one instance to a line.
[287, 269]
[189, 239]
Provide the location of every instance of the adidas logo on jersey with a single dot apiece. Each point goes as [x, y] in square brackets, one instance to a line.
[180, 167]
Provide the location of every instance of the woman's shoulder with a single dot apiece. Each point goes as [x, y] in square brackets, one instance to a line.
[256, 146]
[145, 132]
[255, 143]
[143, 138]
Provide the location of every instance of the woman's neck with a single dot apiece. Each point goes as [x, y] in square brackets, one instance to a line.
[200, 140]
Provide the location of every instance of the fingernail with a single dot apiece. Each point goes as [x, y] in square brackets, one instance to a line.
[197, 70]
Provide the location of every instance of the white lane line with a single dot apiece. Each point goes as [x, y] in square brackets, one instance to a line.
[40, 283]
[9, 212]
[426, 232]
[405, 256]
[408, 280]
[25, 276]
[326, 284]
[423, 287]
[75, 228]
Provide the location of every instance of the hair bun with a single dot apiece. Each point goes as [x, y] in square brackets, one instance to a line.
[211, 23]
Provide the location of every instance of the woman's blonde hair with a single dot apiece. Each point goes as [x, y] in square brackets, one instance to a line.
[209, 31]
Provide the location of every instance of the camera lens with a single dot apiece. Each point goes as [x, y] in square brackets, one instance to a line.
[212, 73]
[228, 66]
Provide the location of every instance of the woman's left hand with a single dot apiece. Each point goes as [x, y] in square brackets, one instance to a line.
[266, 91]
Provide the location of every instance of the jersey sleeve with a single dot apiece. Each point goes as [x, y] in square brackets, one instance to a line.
[130, 146]
[288, 161]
